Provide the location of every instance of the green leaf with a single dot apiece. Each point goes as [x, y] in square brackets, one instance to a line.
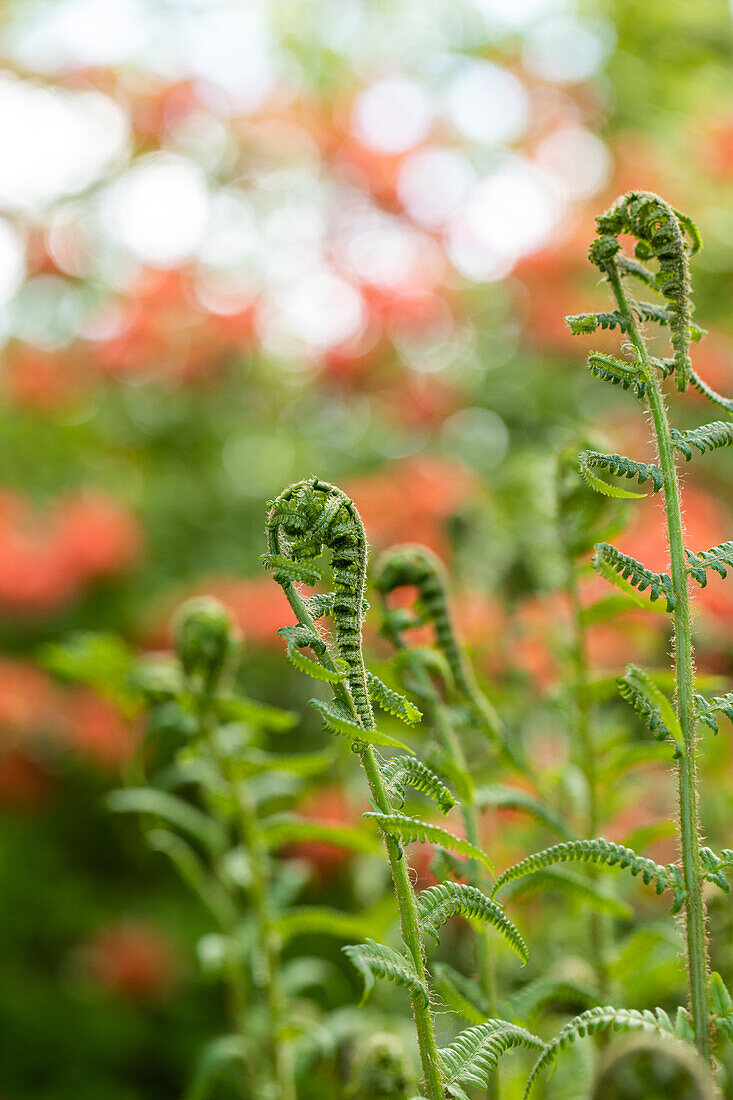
[719, 559]
[174, 810]
[195, 874]
[460, 993]
[475, 1054]
[651, 705]
[707, 708]
[376, 960]
[607, 608]
[592, 1022]
[287, 571]
[545, 991]
[337, 719]
[320, 920]
[100, 660]
[238, 708]
[599, 851]
[253, 761]
[616, 371]
[298, 638]
[410, 830]
[708, 437]
[288, 829]
[392, 701]
[216, 1056]
[512, 798]
[438, 904]
[615, 566]
[716, 398]
[620, 467]
[408, 771]
[583, 890]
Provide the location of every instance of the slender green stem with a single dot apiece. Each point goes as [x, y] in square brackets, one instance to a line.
[281, 1075]
[600, 931]
[689, 825]
[452, 745]
[405, 895]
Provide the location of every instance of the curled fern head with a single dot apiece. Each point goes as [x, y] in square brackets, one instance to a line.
[204, 637]
[662, 234]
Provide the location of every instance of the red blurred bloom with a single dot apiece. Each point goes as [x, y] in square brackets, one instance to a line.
[130, 959]
[329, 805]
[29, 700]
[24, 783]
[94, 727]
[95, 535]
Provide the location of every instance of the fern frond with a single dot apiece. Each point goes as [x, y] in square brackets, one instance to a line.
[610, 562]
[408, 771]
[545, 991]
[175, 811]
[631, 267]
[620, 467]
[461, 994]
[616, 371]
[651, 705]
[337, 719]
[289, 829]
[410, 830]
[706, 709]
[319, 604]
[291, 571]
[707, 391]
[511, 798]
[438, 904]
[708, 437]
[392, 701]
[320, 920]
[376, 960]
[297, 637]
[598, 851]
[253, 761]
[474, 1055]
[596, 1020]
[719, 559]
[585, 324]
[576, 887]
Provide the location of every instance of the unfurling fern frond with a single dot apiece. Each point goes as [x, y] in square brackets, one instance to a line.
[410, 830]
[600, 1019]
[438, 904]
[620, 467]
[283, 829]
[707, 391]
[576, 887]
[715, 867]
[616, 371]
[408, 771]
[297, 638]
[461, 994]
[319, 604]
[706, 709]
[376, 960]
[585, 324]
[546, 991]
[289, 570]
[719, 559]
[474, 1055]
[708, 437]
[337, 719]
[611, 562]
[603, 852]
[660, 231]
[651, 705]
[391, 701]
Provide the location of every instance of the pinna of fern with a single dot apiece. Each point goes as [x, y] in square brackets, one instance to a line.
[665, 238]
[303, 522]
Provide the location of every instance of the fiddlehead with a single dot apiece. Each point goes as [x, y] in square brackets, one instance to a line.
[418, 567]
[306, 519]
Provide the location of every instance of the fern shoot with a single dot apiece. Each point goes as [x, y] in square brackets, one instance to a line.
[667, 239]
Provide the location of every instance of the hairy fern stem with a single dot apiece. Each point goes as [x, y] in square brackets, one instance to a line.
[689, 825]
[405, 895]
[469, 813]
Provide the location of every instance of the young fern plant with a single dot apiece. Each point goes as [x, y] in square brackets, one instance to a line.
[667, 238]
[419, 568]
[307, 519]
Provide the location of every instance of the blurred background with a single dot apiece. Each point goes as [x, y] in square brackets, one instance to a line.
[246, 241]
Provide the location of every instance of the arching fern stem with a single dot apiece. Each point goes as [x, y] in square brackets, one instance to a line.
[454, 748]
[697, 961]
[406, 905]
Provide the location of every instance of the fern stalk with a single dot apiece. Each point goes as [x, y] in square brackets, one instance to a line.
[689, 824]
[406, 905]
[468, 810]
[276, 1056]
